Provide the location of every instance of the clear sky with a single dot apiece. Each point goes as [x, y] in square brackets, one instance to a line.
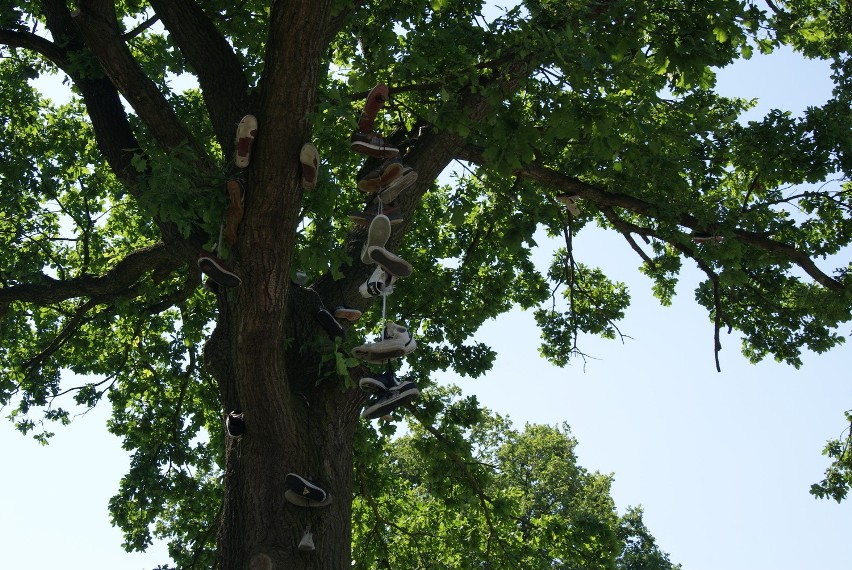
[721, 462]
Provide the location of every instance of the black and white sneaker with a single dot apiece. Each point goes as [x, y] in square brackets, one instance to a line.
[217, 270]
[379, 284]
[304, 493]
[235, 424]
[385, 403]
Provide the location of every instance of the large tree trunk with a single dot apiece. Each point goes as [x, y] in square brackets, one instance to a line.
[300, 418]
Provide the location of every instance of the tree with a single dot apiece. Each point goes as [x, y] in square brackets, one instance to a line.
[108, 198]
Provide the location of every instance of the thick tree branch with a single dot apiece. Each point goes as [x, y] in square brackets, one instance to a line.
[220, 75]
[96, 22]
[602, 197]
[38, 44]
[114, 282]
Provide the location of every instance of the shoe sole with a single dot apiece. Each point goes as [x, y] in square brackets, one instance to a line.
[218, 273]
[390, 262]
[378, 235]
[304, 489]
[309, 157]
[383, 408]
[372, 386]
[350, 315]
[376, 354]
[246, 133]
[385, 178]
[375, 151]
[395, 188]
[299, 501]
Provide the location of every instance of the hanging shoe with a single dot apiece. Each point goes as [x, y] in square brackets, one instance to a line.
[304, 493]
[375, 101]
[397, 341]
[384, 382]
[381, 177]
[217, 270]
[330, 324]
[390, 262]
[379, 284]
[377, 236]
[385, 403]
[246, 133]
[234, 214]
[347, 313]
[235, 424]
[307, 542]
[372, 145]
[405, 180]
[570, 202]
[309, 157]
[365, 216]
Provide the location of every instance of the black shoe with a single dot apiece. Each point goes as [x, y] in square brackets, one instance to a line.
[378, 383]
[235, 424]
[303, 493]
[218, 270]
[330, 324]
[389, 401]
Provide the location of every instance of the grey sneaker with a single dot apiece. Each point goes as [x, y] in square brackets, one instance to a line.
[377, 236]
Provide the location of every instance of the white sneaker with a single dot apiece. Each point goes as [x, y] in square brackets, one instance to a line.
[397, 341]
[380, 284]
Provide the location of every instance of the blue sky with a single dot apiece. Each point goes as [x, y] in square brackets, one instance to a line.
[721, 462]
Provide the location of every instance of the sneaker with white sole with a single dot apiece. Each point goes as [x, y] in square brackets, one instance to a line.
[397, 341]
[381, 177]
[395, 188]
[304, 493]
[379, 284]
[371, 144]
[385, 403]
[217, 270]
[383, 382]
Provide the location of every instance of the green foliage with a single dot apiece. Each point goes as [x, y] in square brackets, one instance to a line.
[613, 97]
[838, 475]
[484, 493]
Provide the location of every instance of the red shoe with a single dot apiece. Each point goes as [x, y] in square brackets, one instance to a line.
[375, 101]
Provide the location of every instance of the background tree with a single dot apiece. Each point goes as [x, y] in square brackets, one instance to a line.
[107, 199]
